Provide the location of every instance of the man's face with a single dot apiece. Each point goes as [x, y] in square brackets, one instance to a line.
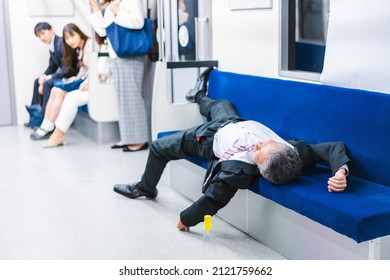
[45, 35]
[263, 149]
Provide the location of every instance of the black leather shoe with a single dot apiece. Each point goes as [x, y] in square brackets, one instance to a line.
[133, 191]
[143, 147]
[38, 136]
[116, 146]
[200, 89]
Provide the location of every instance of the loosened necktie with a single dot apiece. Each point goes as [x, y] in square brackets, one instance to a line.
[235, 150]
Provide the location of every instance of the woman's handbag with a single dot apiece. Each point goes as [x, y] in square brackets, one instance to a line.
[130, 42]
[35, 115]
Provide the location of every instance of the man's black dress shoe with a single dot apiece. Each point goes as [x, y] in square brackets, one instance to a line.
[143, 147]
[133, 191]
[200, 89]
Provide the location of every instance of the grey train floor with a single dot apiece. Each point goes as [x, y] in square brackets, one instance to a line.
[58, 204]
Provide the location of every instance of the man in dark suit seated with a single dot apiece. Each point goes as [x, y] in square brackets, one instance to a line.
[55, 69]
[239, 151]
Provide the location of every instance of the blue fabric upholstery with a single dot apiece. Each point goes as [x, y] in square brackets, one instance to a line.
[362, 212]
[83, 108]
[318, 113]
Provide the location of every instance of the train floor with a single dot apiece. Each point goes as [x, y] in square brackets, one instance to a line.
[58, 204]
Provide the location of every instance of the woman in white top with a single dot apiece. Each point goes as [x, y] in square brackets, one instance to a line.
[74, 38]
[127, 73]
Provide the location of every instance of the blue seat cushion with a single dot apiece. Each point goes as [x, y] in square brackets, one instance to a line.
[362, 212]
[83, 108]
[317, 113]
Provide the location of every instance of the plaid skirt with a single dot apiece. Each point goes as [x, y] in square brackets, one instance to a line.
[127, 77]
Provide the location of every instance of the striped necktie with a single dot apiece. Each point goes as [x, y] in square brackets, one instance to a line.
[235, 150]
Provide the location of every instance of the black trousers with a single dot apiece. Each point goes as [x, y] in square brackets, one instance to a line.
[186, 143]
[36, 98]
[47, 86]
[44, 98]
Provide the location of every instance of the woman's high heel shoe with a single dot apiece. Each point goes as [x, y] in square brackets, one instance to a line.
[60, 142]
[143, 147]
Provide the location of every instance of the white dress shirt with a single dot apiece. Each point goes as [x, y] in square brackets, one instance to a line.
[242, 134]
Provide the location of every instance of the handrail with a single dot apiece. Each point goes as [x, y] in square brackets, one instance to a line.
[160, 24]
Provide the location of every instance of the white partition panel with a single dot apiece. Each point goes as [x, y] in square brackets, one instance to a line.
[358, 45]
[102, 103]
[5, 94]
[165, 115]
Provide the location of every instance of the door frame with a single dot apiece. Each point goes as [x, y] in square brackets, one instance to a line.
[9, 61]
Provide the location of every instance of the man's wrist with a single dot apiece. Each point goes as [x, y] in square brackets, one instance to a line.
[345, 170]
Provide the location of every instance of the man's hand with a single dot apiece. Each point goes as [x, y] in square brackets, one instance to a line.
[114, 8]
[181, 226]
[40, 89]
[338, 182]
[71, 79]
[94, 5]
[42, 80]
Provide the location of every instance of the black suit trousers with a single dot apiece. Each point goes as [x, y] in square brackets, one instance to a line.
[187, 142]
[47, 86]
[36, 98]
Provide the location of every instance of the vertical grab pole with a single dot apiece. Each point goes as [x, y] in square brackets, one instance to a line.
[198, 39]
[160, 22]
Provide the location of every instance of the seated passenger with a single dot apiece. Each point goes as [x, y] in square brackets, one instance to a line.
[239, 151]
[69, 109]
[46, 34]
[75, 39]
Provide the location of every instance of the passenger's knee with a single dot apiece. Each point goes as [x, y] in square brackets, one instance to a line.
[223, 102]
[54, 90]
[57, 92]
[154, 146]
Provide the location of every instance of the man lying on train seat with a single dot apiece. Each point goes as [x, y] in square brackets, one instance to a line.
[239, 151]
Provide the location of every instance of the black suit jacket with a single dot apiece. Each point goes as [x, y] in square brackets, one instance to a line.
[224, 178]
[56, 62]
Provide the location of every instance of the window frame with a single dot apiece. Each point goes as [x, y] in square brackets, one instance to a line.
[287, 34]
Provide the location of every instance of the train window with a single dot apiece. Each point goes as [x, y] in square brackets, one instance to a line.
[304, 25]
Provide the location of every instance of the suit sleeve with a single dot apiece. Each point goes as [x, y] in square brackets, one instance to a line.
[333, 153]
[216, 196]
[52, 68]
[56, 64]
[227, 177]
